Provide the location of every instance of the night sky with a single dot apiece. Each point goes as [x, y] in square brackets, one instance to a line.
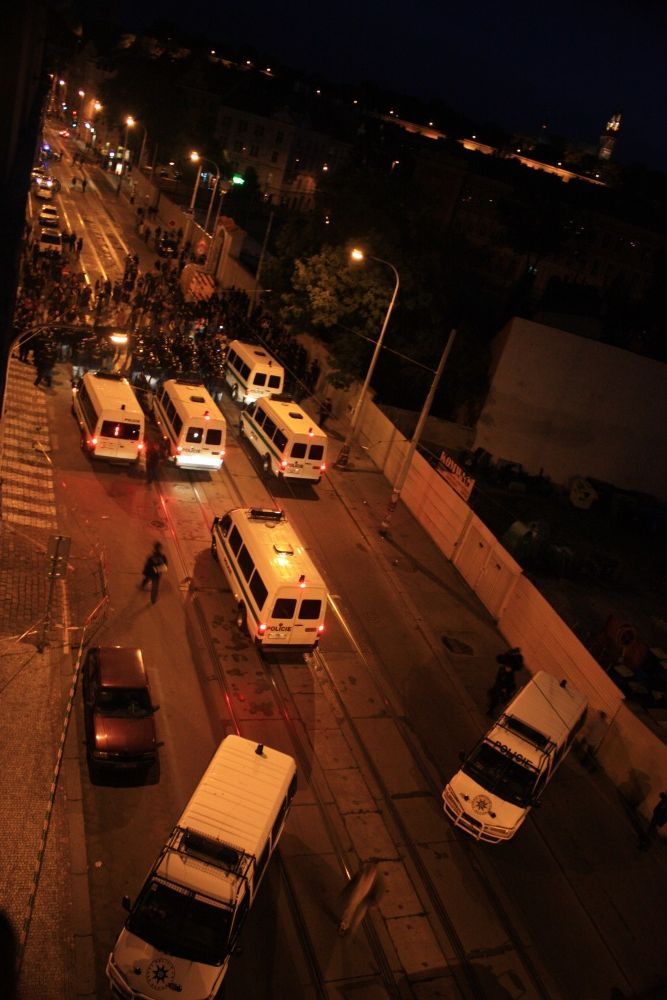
[519, 64]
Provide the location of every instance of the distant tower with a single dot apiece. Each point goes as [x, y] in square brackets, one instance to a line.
[608, 140]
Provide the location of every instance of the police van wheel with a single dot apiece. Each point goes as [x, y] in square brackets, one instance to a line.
[235, 391]
[242, 618]
[241, 430]
[266, 464]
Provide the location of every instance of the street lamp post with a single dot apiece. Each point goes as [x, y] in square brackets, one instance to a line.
[342, 459]
[196, 158]
[407, 461]
[129, 122]
[216, 184]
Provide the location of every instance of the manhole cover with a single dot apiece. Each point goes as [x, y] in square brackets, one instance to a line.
[456, 646]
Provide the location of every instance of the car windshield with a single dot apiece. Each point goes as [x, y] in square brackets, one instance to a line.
[501, 774]
[126, 703]
[50, 238]
[181, 924]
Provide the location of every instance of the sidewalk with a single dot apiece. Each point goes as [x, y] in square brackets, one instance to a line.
[40, 823]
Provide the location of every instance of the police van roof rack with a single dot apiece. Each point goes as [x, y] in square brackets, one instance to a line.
[111, 376]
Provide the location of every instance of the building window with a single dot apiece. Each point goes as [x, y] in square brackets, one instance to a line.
[254, 150]
[259, 131]
[279, 138]
[242, 126]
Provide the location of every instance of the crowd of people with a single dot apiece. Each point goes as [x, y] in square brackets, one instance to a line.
[61, 316]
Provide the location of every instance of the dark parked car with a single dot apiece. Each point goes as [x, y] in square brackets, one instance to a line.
[118, 710]
[168, 245]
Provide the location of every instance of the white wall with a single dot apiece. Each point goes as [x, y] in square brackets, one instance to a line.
[633, 757]
[573, 406]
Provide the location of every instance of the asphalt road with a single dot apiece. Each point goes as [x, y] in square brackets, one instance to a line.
[568, 900]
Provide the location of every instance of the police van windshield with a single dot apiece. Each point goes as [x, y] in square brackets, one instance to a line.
[181, 924]
[505, 774]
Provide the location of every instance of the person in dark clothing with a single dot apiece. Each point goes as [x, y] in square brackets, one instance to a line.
[84, 184]
[153, 460]
[657, 821]
[512, 658]
[155, 566]
[24, 348]
[79, 245]
[504, 685]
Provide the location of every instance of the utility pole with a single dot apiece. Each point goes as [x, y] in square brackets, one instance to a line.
[407, 461]
[253, 297]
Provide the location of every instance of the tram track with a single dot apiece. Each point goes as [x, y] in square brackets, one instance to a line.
[464, 970]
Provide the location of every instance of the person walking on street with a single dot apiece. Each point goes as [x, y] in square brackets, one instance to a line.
[155, 567]
[79, 245]
[73, 183]
[84, 184]
[153, 459]
[363, 891]
[504, 685]
[657, 821]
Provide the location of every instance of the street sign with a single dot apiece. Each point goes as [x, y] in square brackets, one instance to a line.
[457, 477]
[57, 555]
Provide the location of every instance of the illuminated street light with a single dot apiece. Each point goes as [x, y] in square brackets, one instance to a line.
[358, 255]
[129, 122]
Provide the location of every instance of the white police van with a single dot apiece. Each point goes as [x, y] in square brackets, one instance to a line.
[508, 770]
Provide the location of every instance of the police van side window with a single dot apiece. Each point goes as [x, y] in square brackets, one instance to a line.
[232, 358]
[250, 408]
[284, 608]
[269, 427]
[241, 914]
[225, 524]
[298, 450]
[261, 862]
[259, 379]
[280, 818]
[316, 452]
[260, 417]
[87, 408]
[244, 370]
[235, 540]
[246, 565]
[280, 440]
[177, 423]
[274, 381]
[258, 590]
